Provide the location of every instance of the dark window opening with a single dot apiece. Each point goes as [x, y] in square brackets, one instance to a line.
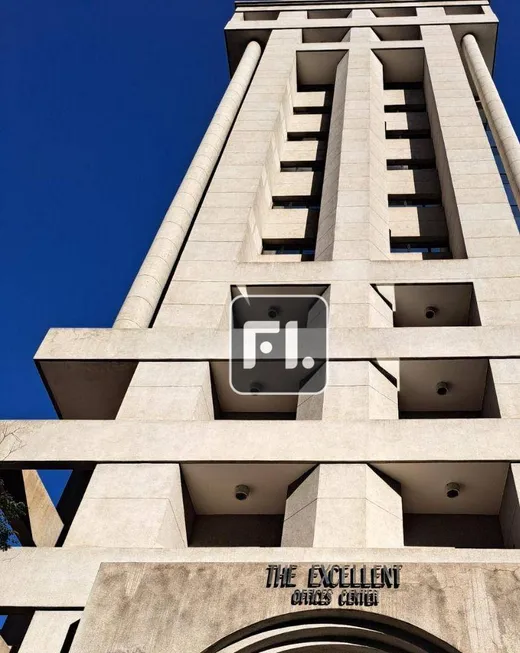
[405, 108]
[312, 203]
[423, 202]
[463, 11]
[394, 12]
[410, 164]
[409, 134]
[433, 249]
[302, 111]
[317, 14]
[261, 15]
[307, 136]
[303, 247]
[302, 166]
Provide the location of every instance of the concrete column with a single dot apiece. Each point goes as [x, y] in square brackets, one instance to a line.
[356, 390]
[478, 215]
[144, 295]
[353, 221]
[40, 525]
[362, 34]
[133, 505]
[49, 630]
[505, 375]
[343, 506]
[510, 509]
[179, 391]
[503, 132]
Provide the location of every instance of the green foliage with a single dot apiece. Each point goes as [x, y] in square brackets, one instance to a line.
[9, 510]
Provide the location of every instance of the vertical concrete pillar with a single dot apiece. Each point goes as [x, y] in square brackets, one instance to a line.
[179, 391]
[49, 631]
[144, 295]
[40, 525]
[356, 390]
[362, 34]
[353, 220]
[510, 509]
[501, 127]
[343, 506]
[134, 505]
[505, 374]
[478, 215]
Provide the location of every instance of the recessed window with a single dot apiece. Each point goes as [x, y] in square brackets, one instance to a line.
[299, 111]
[295, 247]
[395, 12]
[463, 11]
[405, 108]
[311, 203]
[408, 134]
[412, 246]
[261, 15]
[410, 164]
[414, 201]
[302, 166]
[328, 13]
[307, 136]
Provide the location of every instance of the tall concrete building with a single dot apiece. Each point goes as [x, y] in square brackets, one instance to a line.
[354, 198]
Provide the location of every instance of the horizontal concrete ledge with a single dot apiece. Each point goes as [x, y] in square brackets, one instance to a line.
[56, 443]
[63, 578]
[360, 45]
[357, 270]
[183, 344]
[323, 23]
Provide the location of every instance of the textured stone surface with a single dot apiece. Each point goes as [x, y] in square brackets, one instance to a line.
[466, 607]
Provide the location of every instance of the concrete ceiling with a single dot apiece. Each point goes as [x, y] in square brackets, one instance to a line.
[423, 486]
[212, 487]
[452, 301]
[466, 378]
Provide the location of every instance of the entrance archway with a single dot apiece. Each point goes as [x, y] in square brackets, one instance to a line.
[331, 631]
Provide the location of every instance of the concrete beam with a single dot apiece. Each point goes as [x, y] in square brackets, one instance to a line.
[63, 578]
[183, 344]
[85, 443]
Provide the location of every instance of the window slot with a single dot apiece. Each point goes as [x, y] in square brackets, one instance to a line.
[424, 202]
[408, 134]
[410, 164]
[302, 166]
[307, 136]
[303, 111]
[405, 108]
[311, 203]
[295, 247]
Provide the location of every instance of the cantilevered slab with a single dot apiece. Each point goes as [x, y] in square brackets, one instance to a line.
[30, 444]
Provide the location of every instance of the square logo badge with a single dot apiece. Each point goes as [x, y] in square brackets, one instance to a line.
[278, 344]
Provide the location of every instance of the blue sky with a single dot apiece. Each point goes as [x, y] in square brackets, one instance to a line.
[103, 105]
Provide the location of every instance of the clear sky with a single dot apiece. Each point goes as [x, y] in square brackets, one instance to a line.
[103, 105]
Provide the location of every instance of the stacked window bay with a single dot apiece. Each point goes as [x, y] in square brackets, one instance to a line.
[417, 220]
[291, 226]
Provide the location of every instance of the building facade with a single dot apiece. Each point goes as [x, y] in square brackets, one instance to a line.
[362, 166]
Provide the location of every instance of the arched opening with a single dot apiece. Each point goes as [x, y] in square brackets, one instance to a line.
[331, 631]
